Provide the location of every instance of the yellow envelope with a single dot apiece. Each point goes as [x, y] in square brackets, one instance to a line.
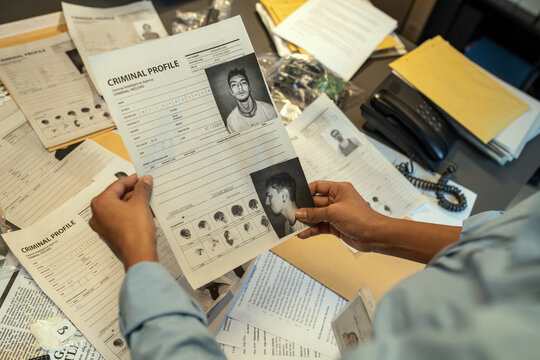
[387, 43]
[328, 261]
[32, 35]
[460, 87]
[113, 142]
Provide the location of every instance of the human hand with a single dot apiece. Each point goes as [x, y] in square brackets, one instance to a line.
[124, 220]
[342, 212]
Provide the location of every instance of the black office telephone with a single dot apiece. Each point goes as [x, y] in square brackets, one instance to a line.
[408, 120]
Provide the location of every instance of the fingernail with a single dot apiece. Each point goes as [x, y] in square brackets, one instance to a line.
[301, 214]
[148, 179]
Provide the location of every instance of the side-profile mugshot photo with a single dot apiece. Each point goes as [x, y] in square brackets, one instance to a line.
[282, 189]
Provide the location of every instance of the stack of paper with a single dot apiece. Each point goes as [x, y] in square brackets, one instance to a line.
[490, 113]
[341, 34]
[48, 76]
[279, 10]
[281, 300]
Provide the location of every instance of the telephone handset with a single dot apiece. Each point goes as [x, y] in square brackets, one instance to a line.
[402, 115]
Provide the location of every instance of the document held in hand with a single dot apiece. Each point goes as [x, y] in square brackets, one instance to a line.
[195, 113]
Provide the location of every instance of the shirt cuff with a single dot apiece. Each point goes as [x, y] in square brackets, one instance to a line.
[149, 291]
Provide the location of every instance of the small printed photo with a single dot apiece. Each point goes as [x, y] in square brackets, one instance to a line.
[282, 189]
[241, 94]
[76, 59]
[337, 136]
[350, 339]
[147, 29]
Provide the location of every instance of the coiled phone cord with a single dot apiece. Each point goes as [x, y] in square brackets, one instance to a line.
[440, 187]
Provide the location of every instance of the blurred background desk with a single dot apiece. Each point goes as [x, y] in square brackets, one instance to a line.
[496, 186]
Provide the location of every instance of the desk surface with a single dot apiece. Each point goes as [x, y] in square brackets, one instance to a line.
[496, 186]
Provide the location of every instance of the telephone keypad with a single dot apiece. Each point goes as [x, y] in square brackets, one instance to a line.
[427, 113]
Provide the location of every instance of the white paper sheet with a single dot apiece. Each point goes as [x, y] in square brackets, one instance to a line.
[171, 101]
[535, 130]
[379, 183]
[431, 213]
[49, 83]
[342, 34]
[254, 343]
[96, 31]
[22, 302]
[78, 271]
[282, 300]
[35, 182]
[10, 117]
[514, 137]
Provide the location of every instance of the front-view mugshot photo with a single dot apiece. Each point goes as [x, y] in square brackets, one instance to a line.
[282, 189]
[240, 93]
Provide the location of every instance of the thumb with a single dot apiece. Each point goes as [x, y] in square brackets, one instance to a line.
[312, 215]
[143, 187]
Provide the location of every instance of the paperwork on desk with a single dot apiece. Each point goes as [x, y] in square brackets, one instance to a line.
[429, 211]
[77, 270]
[34, 182]
[273, 12]
[515, 136]
[24, 302]
[240, 341]
[341, 34]
[315, 135]
[461, 88]
[280, 299]
[99, 30]
[10, 116]
[49, 83]
[171, 101]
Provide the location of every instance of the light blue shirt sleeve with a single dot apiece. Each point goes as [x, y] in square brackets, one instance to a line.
[477, 299]
[158, 319]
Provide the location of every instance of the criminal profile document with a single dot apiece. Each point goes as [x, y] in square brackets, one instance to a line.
[195, 113]
[50, 84]
[99, 30]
